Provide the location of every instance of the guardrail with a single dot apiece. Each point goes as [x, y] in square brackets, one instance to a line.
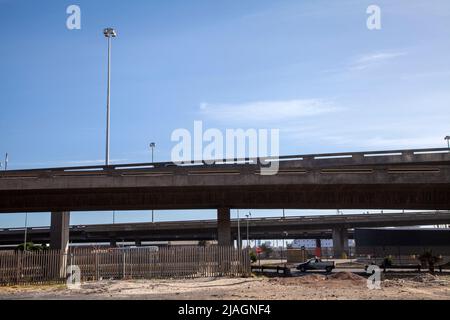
[102, 169]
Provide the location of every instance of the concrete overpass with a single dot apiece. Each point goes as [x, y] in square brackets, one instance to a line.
[395, 179]
[302, 227]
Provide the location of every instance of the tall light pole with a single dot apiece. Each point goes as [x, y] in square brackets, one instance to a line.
[109, 33]
[448, 141]
[239, 230]
[285, 234]
[6, 161]
[26, 229]
[152, 146]
[248, 216]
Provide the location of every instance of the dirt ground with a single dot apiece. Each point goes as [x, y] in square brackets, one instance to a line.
[341, 285]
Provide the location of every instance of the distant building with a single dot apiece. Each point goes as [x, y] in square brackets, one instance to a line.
[311, 243]
[383, 242]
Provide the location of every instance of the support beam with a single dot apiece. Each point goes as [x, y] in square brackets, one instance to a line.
[223, 227]
[59, 240]
[59, 230]
[340, 242]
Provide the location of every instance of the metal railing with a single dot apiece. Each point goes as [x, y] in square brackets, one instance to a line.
[155, 168]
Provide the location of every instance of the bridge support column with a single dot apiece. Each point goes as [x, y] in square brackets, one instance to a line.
[340, 242]
[59, 230]
[138, 243]
[223, 227]
[113, 243]
[59, 239]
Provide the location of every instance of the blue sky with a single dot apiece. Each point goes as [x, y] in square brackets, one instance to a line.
[310, 68]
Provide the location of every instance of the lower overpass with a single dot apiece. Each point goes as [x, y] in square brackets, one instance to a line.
[334, 227]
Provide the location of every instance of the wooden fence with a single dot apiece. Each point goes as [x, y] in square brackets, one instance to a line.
[51, 266]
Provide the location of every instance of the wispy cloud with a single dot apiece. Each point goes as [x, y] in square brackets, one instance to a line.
[48, 164]
[267, 111]
[93, 162]
[373, 59]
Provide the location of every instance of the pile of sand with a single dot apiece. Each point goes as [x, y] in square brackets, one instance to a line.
[425, 277]
[293, 281]
[316, 278]
[311, 278]
[344, 275]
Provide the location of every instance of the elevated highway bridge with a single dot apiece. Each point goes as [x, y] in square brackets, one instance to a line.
[396, 179]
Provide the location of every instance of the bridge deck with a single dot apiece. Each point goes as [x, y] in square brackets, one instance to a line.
[394, 179]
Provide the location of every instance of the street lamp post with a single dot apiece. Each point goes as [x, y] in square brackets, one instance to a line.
[152, 146]
[448, 141]
[248, 216]
[6, 161]
[25, 235]
[239, 230]
[109, 33]
[285, 234]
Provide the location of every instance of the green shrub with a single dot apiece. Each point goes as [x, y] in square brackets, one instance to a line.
[428, 259]
[30, 246]
[253, 257]
[387, 261]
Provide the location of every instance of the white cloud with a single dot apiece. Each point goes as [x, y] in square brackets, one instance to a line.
[267, 111]
[373, 59]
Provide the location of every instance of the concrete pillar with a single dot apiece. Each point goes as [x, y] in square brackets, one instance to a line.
[113, 243]
[223, 227]
[59, 230]
[340, 242]
[59, 240]
[318, 251]
[138, 243]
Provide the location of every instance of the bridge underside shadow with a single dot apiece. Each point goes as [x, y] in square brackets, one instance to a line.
[374, 196]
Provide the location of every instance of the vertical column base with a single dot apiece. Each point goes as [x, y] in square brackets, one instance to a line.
[340, 243]
[223, 227]
[59, 239]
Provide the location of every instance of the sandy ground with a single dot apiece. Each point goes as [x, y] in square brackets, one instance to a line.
[341, 285]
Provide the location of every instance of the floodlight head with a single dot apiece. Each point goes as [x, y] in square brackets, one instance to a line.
[109, 33]
[152, 144]
[447, 138]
